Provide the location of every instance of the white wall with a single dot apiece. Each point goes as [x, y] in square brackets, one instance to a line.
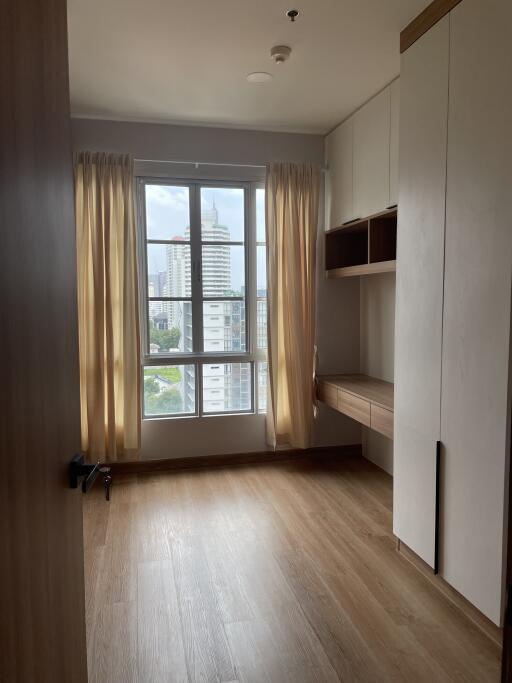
[337, 302]
[377, 334]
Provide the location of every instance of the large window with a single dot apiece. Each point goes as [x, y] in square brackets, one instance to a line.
[204, 295]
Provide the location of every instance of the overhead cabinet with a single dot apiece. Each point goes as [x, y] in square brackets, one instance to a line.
[362, 157]
[453, 312]
[339, 147]
[371, 155]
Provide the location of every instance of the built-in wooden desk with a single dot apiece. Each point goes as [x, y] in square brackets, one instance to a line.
[365, 399]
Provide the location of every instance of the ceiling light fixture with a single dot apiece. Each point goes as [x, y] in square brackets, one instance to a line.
[280, 53]
[259, 77]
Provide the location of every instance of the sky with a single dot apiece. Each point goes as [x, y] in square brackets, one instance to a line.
[167, 216]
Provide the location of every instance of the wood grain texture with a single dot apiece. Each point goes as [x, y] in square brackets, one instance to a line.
[231, 459]
[424, 22]
[363, 269]
[382, 420]
[367, 388]
[279, 572]
[42, 624]
[355, 407]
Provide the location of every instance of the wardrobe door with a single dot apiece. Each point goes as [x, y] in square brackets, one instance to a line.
[394, 134]
[419, 287]
[477, 302]
[371, 156]
[339, 188]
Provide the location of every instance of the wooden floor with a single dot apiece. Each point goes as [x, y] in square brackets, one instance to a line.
[282, 572]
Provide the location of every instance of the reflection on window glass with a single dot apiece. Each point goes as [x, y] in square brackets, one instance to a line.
[222, 214]
[261, 324]
[169, 270]
[227, 387]
[167, 212]
[260, 215]
[224, 326]
[170, 327]
[261, 270]
[169, 390]
[262, 387]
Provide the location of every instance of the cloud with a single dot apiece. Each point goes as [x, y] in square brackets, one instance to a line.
[164, 195]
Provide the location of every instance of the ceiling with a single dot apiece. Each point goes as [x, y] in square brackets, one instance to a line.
[185, 61]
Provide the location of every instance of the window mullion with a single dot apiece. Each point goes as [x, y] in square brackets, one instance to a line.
[197, 287]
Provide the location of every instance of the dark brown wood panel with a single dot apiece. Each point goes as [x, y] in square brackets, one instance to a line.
[42, 624]
[424, 21]
[226, 460]
[281, 572]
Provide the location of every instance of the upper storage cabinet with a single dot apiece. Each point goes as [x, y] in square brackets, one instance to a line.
[394, 127]
[371, 155]
[339, 187]
[362, 157]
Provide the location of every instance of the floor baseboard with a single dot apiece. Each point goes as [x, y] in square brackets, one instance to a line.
[490, 629]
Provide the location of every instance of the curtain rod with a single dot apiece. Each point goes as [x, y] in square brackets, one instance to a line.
[204, 163]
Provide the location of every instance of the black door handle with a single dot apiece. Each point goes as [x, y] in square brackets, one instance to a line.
[87, 473]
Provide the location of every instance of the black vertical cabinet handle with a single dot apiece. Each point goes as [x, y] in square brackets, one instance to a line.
[438, 486]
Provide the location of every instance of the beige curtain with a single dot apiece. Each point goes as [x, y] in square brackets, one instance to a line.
[291, 197]
[108, 319]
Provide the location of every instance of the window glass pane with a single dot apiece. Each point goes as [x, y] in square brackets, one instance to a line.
[167, 212]
[223, 270]
[170, 327]
[169, 390]
[169, 270]
[261, 324]
[226, 387]
[223, 326]
[260, 215]
[262, 387]
[222, 214]
[261, 270]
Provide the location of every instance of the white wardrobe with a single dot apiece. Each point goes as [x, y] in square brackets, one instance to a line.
[453, 305]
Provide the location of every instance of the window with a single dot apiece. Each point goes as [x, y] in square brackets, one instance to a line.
[204, 297]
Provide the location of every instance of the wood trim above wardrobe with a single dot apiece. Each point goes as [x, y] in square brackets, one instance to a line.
[228, 460]
[424, 21]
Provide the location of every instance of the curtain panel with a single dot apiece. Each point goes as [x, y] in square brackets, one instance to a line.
[292, 195]
[108, 315]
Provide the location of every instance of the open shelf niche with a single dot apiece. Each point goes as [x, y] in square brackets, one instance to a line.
[362, 247]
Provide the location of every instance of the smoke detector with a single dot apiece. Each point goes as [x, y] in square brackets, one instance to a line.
[280, 53]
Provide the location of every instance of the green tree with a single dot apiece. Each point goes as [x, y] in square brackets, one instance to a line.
[166, 402]
[165, 339]
[151, 386]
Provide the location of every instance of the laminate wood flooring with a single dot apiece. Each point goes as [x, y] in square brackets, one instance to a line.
[284, 572]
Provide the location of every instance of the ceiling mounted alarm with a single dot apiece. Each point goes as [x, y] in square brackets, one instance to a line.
[280, 53]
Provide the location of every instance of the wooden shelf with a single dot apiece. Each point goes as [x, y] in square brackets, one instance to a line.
[365, 399]
[363, 269]
[362, 247]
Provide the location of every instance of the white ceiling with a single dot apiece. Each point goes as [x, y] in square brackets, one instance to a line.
[185, 61]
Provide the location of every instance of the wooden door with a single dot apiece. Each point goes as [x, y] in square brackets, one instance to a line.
[477, 299]
[419, 287]
[42, 625]
[371, 155]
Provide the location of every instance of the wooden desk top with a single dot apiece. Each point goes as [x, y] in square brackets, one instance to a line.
[368, 388]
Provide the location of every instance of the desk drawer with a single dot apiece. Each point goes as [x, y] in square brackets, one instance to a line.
[382, 421]
[354, 407]
[328, 394]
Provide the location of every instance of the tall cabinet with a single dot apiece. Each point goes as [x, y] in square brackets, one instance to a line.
[453, 314]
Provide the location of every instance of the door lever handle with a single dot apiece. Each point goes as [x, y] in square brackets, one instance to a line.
[87, 473]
